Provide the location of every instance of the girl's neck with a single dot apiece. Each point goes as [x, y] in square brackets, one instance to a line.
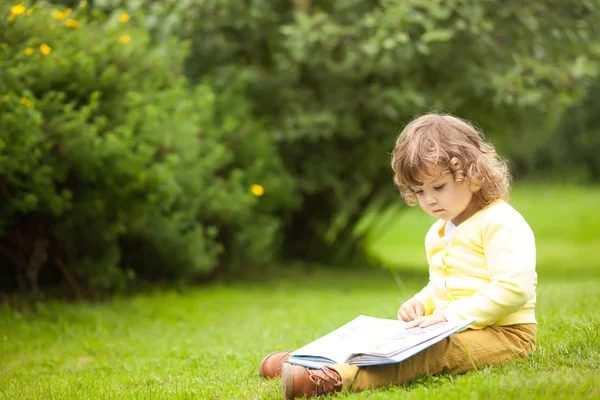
[473, 207]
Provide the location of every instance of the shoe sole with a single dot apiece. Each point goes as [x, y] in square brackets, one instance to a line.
[287, 382]
[261, 371]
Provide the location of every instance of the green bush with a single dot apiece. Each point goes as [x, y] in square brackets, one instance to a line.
[112, 167]
[336, 81]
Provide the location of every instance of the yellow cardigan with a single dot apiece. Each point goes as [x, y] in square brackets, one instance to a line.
[486, 272]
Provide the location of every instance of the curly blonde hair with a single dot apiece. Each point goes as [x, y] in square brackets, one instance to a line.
[437, 141]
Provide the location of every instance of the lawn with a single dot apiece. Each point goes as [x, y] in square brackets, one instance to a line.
[207, 342]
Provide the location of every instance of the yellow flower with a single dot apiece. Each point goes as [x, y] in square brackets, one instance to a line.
[45, 49]
[123, 18]
[29, 51]
[124, 39]
[257, 190]
[83, 4]
[71, 23]
[17, 9]
[26, 102]
[29, 12]
[59, 15]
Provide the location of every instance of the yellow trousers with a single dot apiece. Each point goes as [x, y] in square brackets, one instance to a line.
[461, 352]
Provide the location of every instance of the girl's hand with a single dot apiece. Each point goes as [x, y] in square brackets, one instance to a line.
[411, 310]
[426, 321]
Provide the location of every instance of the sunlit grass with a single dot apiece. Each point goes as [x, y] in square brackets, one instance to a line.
[206, 343]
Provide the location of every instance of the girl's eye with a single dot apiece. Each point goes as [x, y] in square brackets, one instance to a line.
[418, 191]
[439, 187]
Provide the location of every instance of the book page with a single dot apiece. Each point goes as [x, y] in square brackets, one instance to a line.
[393, 342]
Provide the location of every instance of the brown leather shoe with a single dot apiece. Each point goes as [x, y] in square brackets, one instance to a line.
[271, 365]
[299, 381]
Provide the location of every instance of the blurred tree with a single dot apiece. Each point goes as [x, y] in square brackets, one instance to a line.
[336, 80]
[574, 147]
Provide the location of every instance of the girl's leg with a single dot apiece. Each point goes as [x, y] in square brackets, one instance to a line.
[458, 353]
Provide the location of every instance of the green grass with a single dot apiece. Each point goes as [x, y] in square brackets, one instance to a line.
[563, 219]
[206, 343]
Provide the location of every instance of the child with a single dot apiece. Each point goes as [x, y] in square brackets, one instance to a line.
[481, 256]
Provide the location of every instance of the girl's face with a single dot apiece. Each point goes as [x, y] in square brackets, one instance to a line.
[443, 198]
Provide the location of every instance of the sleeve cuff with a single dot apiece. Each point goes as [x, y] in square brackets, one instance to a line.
[427, 304]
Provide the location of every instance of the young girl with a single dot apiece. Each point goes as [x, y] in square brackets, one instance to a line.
[481, 256]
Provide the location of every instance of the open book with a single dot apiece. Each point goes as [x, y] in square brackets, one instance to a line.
[368, 341]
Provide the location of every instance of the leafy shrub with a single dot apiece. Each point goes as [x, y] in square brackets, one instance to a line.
[112, 166]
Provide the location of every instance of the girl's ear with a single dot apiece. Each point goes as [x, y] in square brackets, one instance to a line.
[456, 166]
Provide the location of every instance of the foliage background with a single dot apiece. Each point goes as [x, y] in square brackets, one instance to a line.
[180, 140]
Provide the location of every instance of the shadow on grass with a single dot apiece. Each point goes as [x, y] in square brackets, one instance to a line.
[293, 275]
